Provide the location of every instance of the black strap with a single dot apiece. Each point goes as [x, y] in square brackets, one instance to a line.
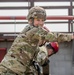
[36, 66]
[46, 63]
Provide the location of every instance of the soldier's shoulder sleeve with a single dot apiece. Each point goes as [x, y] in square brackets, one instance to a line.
[31, 32]
[62, 37]
[51, 37]
[59, 37]
[26, 29]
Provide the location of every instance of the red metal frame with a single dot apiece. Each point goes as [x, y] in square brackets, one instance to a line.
[3, 52]
[60, 18]
[48, 17]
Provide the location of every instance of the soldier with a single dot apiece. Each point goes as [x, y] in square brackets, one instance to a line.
[19, 58]
[49, 48]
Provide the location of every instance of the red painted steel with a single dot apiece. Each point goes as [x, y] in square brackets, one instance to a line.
[3, 51]
[60, 18]
[48, 17]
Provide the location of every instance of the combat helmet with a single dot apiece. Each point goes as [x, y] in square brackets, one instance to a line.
[54, 46]
[37, 12]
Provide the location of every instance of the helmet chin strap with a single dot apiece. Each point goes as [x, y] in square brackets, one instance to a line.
[31, 21]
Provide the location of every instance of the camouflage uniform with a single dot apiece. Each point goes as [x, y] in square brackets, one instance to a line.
[17, 60]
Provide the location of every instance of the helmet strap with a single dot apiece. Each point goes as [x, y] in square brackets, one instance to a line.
[31, 21]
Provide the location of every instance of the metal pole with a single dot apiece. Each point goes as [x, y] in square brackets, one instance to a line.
[48, 17]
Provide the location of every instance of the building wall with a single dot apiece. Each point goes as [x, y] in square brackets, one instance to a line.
[61, 63]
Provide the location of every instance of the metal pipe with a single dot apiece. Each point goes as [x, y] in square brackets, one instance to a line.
[48, 18]
[60, 18]
[12, 18]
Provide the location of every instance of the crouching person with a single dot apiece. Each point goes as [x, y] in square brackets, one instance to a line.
[45, 52]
